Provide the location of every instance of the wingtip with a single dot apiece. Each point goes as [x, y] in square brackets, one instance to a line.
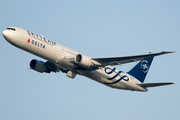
[168, 52]
[170, 83]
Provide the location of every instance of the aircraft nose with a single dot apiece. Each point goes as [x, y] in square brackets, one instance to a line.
[5, 34]
[8, 35]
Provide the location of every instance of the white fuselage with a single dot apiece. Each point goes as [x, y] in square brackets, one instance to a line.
[57, 54]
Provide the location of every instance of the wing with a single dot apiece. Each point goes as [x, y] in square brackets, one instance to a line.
[125, 59]
[102, 62]
[52, 67]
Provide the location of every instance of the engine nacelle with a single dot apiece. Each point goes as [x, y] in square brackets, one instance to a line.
[83, 61]
[38, 66]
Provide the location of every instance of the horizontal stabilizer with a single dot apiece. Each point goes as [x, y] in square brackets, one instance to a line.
[154, 84]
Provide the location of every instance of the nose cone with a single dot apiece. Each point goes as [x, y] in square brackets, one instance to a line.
[5, 33]
[8, 35]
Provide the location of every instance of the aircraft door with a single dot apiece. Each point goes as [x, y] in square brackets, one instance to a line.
[24, 34]
[57, 48]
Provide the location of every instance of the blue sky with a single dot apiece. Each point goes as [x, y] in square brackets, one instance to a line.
[97, 28]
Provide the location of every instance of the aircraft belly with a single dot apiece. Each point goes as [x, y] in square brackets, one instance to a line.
[101, 77]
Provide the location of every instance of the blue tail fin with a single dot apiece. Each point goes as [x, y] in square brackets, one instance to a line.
[141, 69]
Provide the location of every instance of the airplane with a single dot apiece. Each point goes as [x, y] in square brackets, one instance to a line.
[101, 69]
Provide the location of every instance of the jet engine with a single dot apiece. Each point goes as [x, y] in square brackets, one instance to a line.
[38, 66]
[84, 61]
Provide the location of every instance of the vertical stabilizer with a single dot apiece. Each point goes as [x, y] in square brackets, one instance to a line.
[141, 69]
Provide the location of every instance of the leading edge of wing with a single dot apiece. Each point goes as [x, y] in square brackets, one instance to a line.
[126, 59]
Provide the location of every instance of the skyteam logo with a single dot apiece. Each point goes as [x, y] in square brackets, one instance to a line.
[144, 66]
[118, 75]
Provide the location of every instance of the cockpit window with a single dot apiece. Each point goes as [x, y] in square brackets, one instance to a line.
[11, 29]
